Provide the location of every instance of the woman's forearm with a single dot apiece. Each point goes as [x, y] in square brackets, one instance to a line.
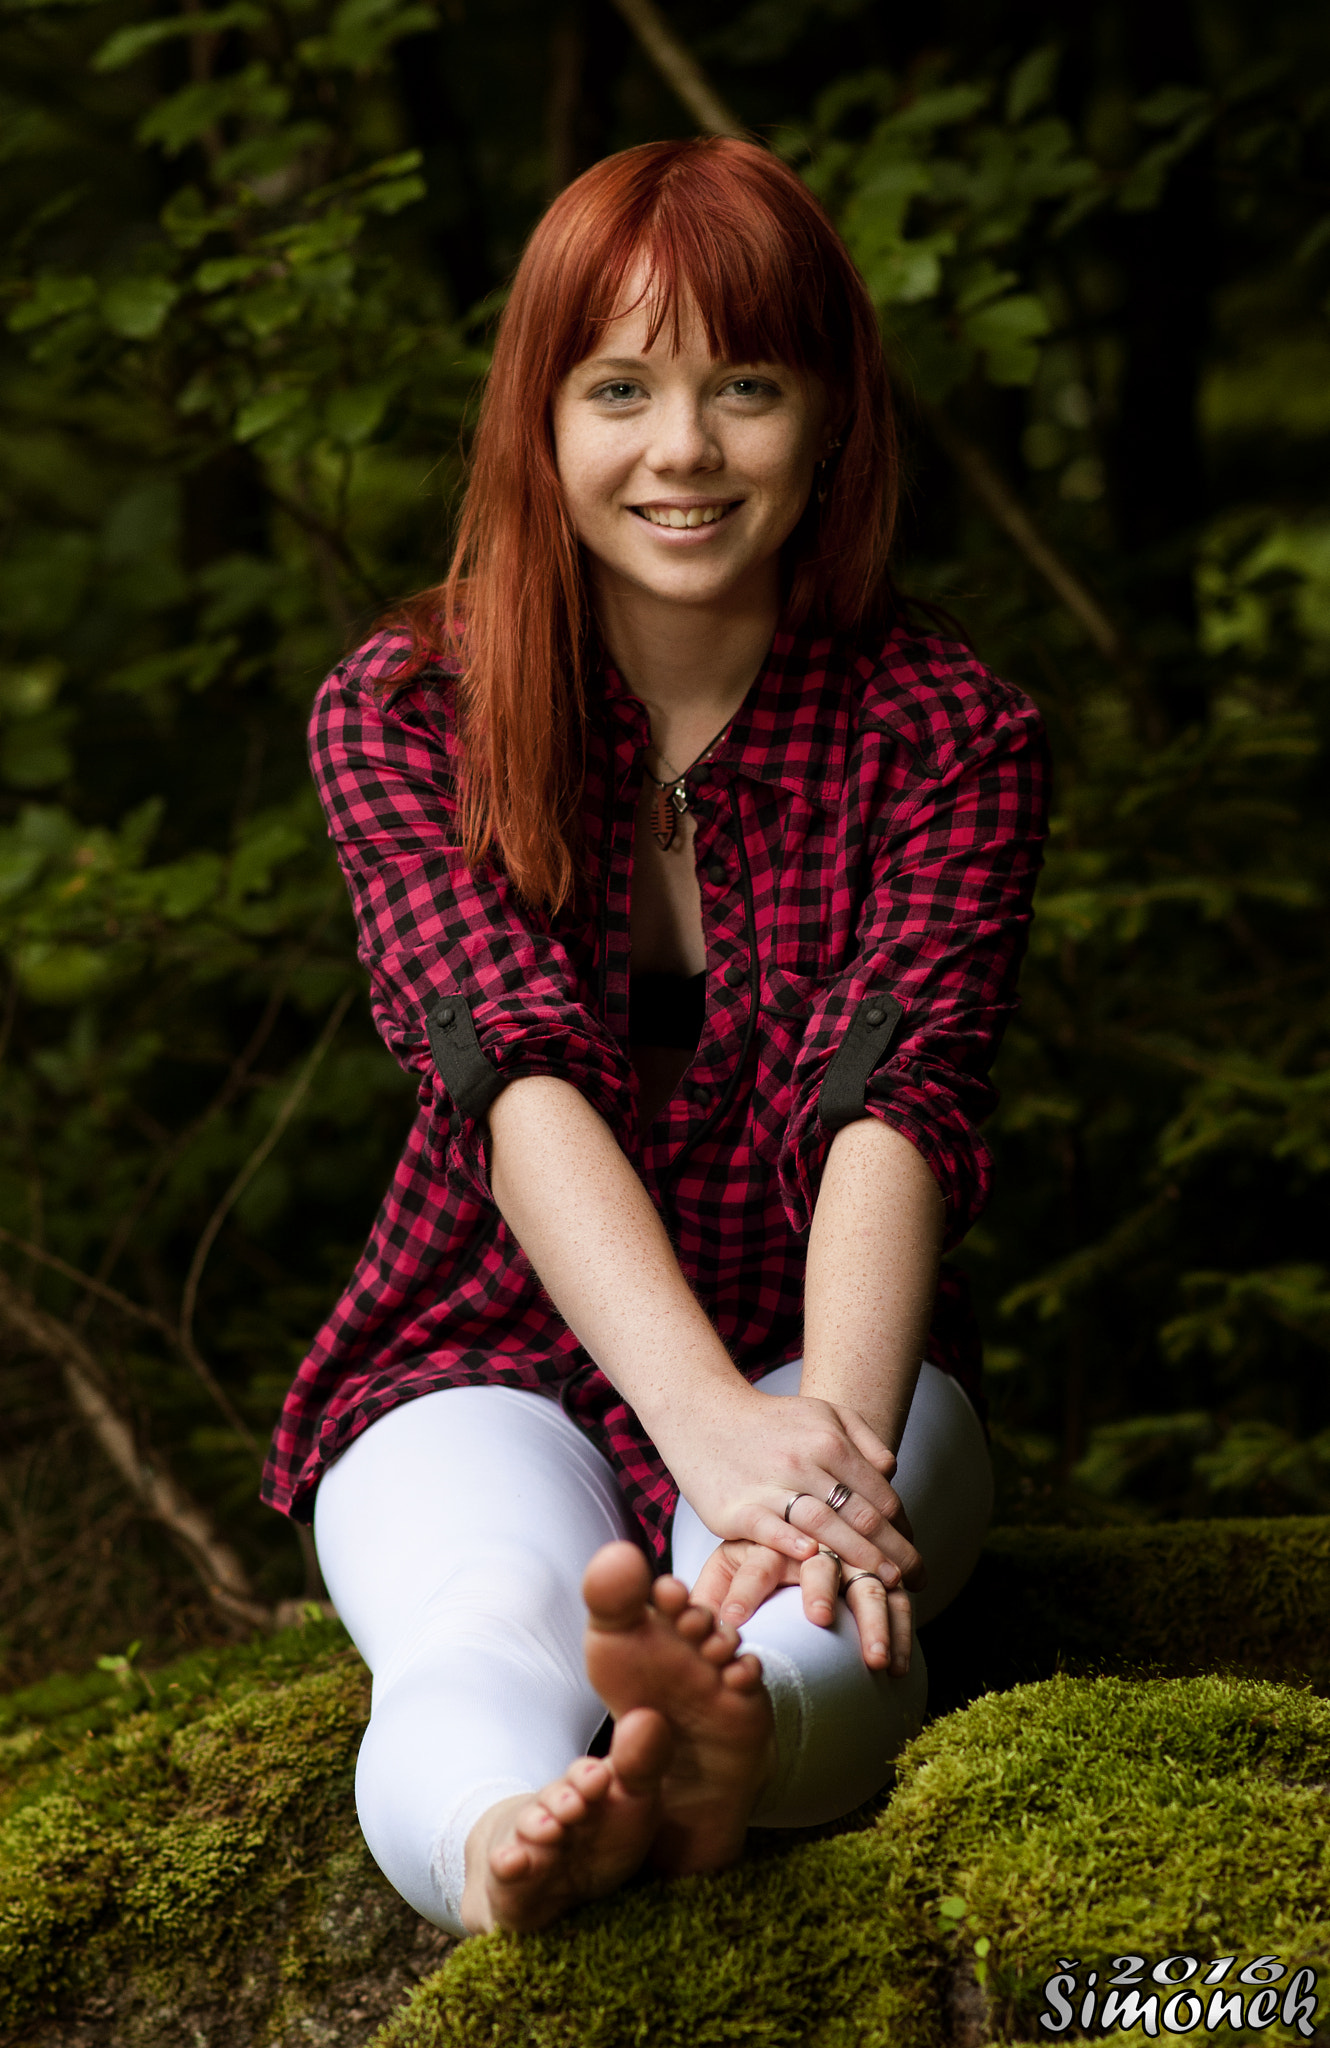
[590, 1229]
[872, 1272]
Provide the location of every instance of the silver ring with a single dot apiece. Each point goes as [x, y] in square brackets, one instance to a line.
[790, 1503]
[853, 1578]
[822, 1551]
[838, 1496]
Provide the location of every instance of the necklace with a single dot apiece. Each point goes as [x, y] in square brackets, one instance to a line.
[671, 801]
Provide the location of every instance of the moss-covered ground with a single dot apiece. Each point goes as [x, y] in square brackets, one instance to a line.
[180, 1861]
[182, 1864]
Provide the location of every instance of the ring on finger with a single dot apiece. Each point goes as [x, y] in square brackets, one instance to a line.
[853, 1578]
[790, 1503]
[838, 1496]
[822, 1551]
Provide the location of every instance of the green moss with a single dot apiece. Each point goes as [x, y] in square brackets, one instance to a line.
[189, 1839]
[180, 1860]
[1250, 1596]
[1077, 1817]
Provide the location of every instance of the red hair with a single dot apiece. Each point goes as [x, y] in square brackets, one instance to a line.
[726, 227]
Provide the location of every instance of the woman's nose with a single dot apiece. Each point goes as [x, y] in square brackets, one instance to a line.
[681, 441]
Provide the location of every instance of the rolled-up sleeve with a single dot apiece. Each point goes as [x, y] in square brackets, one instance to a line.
[939, 942]
[445, 946]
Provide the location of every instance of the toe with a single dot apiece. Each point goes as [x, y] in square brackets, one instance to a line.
[566, 1804]
[695, 1624]
[538, 1826]
[669, 1596]
[592, 1777]
[642, 1749]
[744, 1674]
[510, 1861]
[616, 1586]
[721, 1645]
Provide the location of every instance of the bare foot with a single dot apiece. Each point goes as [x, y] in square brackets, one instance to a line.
[528, 1859]
[648, 1646]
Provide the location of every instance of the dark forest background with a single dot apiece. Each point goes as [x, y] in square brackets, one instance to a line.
[251, 256]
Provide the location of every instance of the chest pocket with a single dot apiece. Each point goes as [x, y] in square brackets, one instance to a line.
[785, 1002]
[816, 905]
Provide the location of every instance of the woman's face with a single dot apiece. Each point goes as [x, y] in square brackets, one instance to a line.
[683, 475]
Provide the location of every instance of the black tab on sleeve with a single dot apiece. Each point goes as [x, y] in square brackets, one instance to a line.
[865, 1045]
[463, 1068]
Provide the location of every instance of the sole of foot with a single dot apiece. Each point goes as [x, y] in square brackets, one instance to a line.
[649, 1646]
[528, 1859]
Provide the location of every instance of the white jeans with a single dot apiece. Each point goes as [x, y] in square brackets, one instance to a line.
[453, 1535]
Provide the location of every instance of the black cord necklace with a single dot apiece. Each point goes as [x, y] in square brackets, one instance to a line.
[671, 802]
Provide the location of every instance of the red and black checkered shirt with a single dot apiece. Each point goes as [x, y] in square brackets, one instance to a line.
[868, 836]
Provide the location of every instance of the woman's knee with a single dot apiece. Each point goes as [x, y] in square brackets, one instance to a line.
[513, 1608]
[838, 1724]
[944, 1476]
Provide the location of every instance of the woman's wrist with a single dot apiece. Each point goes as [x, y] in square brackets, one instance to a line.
[882, 1397]
[695, 1405]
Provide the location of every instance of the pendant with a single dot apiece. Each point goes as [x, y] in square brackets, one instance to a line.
[667, 807]
[664, 819]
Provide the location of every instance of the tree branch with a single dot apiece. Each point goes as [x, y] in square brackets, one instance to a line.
[251, 1167]
[680, 70]
[1006, 510]
[218, 1566]
[326, 538]
[191, 1356]
[226, 1094]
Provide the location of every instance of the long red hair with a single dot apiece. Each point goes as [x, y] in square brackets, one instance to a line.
[726, 226]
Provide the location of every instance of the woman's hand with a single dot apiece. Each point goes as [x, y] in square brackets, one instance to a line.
[744, 1455]
[737, 1578]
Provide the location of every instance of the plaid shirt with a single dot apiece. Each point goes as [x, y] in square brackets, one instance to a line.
[868, 836]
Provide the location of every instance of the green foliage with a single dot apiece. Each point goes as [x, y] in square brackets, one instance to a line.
[1155, 1253]
[235, 372]
[228, 399]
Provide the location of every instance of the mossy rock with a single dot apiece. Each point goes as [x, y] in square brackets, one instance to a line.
[180, 1860]
[1075, 1818]
[183, 1865]
[1186, 1597]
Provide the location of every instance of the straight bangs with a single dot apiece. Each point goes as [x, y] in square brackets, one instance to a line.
[709, 224]
[758, 294]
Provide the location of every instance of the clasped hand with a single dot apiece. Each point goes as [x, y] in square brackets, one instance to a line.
[739, 1479]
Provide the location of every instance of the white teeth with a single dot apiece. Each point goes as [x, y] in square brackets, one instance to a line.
[673, 515]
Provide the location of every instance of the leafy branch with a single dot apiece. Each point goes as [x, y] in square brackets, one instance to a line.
[689, 82]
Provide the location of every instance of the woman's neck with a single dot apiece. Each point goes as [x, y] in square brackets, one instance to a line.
[692, 665]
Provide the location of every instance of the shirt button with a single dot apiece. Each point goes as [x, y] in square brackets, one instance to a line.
[717, 872]
[875, 1017]
[699, 1093]
[736, 973]
[447, 1014]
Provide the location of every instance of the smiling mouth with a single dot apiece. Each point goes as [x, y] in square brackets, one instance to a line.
[676, 516]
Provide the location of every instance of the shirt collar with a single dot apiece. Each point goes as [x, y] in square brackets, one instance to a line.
[792, 729]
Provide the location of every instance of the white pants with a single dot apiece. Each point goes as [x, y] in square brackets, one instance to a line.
[453, 1535]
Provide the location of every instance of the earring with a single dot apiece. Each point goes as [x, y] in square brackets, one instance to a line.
[823, 487]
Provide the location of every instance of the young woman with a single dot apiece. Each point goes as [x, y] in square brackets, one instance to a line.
[692, 883]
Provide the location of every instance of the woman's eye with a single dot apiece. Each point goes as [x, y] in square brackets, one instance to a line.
[752, 387]
[618, 393]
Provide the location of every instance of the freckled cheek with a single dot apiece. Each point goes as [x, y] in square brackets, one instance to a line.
[589, 491]
[785, 475]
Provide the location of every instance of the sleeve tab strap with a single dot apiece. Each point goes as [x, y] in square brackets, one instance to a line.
[865, 1045]
[463, 1068]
